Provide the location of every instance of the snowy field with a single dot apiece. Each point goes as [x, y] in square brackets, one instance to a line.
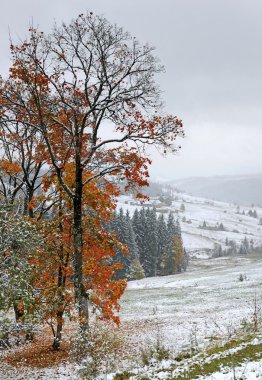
[196, 308]
[199, 241]
[190, 311]
[208, 303]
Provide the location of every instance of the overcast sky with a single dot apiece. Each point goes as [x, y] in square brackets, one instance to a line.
[212, 52]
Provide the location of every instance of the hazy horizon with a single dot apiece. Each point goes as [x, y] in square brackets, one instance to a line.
[224, 176]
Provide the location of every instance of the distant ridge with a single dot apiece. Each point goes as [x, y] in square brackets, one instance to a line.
[242, 189]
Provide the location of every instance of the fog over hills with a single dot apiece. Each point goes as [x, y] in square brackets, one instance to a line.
[245, 189]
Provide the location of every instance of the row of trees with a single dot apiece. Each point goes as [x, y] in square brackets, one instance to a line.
[76, 113]
[232, 248]
[217, 227]
[252, 212]
[155, 245]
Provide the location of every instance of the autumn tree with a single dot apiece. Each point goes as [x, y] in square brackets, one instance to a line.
[179, 253]
[88, 88]
[99, 248]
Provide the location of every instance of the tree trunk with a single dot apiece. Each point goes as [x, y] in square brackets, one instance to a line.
[19, 310]
[81, 295]
[61, 281]
[58, 335]
[18, 305]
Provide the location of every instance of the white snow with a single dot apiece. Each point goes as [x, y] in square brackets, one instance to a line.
[198, 210]
[208, 300]
[192, 308]
[247, 371]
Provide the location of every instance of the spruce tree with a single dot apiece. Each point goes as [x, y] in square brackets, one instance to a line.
[155, 246]
[120, 227]
[185, 262]
[139, 227]
[170, 265]
[135, 270]
[162, 238]
[150, 261]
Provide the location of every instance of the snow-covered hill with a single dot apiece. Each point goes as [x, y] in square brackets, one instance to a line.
[199, 241]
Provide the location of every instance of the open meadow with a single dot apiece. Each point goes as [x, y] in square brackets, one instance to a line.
[216, 302]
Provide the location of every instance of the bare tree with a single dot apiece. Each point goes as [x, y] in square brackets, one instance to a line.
[21, 164]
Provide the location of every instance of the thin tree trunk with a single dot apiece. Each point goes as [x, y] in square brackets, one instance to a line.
[61, 281]
[59, 328]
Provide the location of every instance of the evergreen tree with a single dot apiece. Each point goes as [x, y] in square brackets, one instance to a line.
[182, 207]
[119, 226]
[155, 246]
[221, 227]
[150, 261]
[244, 247]
[140, 230]
[251, 245]
[135, 270]
[171, 225]
[130, 238]
[233, 247]
[162, 237]
[135, 225]
[185, 261]
[137, 228]
[170, 265]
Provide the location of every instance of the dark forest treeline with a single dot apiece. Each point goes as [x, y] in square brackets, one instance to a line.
[155, 245]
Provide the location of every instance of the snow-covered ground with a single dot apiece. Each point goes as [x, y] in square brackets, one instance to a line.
[209, 302]
[206, 301]
[190, 310]
[247, 371]
[197, 210]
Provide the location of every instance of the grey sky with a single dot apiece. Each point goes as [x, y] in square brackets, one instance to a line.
[212, 52]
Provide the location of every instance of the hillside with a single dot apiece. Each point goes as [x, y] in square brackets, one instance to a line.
[198, 241]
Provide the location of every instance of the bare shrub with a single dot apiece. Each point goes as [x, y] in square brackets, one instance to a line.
[13, 334]
[96, 350]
